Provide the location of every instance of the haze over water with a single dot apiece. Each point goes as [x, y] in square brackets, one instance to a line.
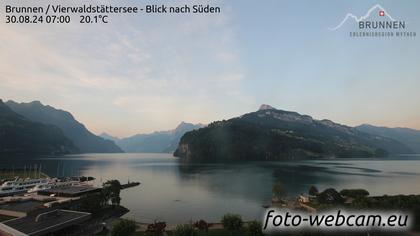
[178, 193]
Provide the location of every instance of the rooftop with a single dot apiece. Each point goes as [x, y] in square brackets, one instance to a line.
[70, 191]
[44, 223]
[23, 206]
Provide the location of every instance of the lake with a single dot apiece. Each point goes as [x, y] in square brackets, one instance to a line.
[178, 193]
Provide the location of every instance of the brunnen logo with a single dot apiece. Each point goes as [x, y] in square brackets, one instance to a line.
[377, 22]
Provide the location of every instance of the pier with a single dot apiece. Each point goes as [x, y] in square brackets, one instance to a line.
[130, 185]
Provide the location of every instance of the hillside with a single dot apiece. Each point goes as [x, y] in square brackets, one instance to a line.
[408, 137]
[271, 134]
[82, 138]
[109, 137]
[18, 135]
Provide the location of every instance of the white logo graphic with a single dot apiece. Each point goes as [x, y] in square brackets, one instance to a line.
[382, 12]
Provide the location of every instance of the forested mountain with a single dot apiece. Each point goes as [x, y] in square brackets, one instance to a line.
[82, 138]
[406, 136]
[19, 135]
[271, 134]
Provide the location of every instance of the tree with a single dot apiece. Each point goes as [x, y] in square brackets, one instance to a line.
[202, 225]
[278, 189]
[254, 228]
[115, 201]
[232, 222]
[111, 190]
[184, 230]
[157, 228]
[361, 203]
[123, 227]
[354, 193]
[313, 191]
[330, 196]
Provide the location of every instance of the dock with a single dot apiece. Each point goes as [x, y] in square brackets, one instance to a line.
[130, 185]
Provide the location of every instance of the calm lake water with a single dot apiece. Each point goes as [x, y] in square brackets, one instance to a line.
[177, 193]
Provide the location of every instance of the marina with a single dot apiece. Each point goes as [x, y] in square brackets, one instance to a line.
[29, 185]
[40, 206]
[19, 186]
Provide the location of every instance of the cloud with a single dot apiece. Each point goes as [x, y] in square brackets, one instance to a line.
[170, 67]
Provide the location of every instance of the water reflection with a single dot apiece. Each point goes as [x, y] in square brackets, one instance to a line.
[177, 192]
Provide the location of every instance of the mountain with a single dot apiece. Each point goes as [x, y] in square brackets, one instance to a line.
[408, 137]
[266, 107]
[18, 135]
[157, 142]
[271, 134]
[109, 137]
[82, 138]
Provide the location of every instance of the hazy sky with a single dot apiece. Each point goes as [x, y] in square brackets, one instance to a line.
[149, 72]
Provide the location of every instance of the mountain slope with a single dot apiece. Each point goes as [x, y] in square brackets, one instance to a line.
[408, 137]
[82, 138]
[157, 142]
[109, 137]
[18, 135]
[271, 134]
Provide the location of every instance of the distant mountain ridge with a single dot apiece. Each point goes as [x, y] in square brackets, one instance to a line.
[19, 135]
[109, 137]
[272, 134]
[409, 137]
[156, 142]
[81, 137]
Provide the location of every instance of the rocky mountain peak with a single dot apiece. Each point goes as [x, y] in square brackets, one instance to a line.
[264, 107]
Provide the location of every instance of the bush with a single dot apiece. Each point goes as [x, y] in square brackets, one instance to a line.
[254, 229]
[313, 191]
[123, 227]
[354, 193]
[111, 190]
[184, 230]
[232, 222]
[330, 196]
[157, 228]
[278, 189]
[202, 225]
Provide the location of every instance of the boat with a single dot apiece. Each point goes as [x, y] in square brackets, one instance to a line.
[19, 186]
[54, 183]
[39, 187]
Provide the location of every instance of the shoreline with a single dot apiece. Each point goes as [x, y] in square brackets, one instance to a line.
[142, 227]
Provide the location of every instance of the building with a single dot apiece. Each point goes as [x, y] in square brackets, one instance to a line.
[43, 215]
[70, 191]
[304, 199]
[43, 223]
[21, 208]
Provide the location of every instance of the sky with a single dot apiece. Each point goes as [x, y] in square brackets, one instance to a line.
[142, 73]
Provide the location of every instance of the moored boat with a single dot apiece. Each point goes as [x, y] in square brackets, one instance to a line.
[19, 186]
